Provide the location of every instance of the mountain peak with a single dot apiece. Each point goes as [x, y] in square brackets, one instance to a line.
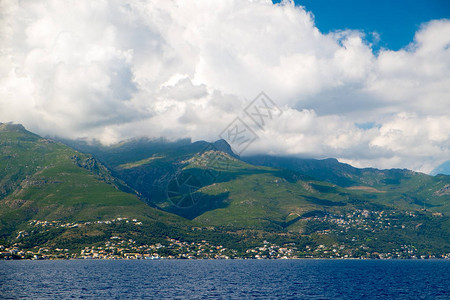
[223, 146]
[12, 127]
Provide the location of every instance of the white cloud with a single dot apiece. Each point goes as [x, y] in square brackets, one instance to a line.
[116, 69]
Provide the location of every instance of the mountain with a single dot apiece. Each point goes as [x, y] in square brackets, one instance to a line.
[145, 165]
[45, 181]
[287, 195]
[279, 186]
[401, 188]
[179, 198]
[54, 197]
[148, 166]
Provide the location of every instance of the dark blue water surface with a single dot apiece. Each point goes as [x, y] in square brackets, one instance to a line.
[231, 279]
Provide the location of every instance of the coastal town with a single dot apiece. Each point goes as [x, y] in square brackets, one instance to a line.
[119, 247]
[372, 221]
[127, 249]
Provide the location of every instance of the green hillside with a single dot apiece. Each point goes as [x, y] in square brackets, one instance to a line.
[401, 188]
[275, 188]
[179, 198]
[244, 196]
[42, 180]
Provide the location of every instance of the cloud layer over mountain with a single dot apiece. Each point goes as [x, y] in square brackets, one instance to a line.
[116, 69]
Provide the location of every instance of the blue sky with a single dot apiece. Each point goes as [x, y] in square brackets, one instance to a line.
[396, 21]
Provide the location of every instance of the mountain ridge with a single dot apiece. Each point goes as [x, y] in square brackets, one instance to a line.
[173, 187]
[345, 176]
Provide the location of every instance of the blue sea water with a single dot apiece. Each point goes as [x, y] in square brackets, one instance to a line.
[226, 279]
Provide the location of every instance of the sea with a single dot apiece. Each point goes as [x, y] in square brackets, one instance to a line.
[225, 279]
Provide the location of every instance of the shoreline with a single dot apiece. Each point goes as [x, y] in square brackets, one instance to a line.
[223, 259]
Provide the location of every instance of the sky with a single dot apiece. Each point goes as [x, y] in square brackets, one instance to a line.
[363, 81]
[394, 22]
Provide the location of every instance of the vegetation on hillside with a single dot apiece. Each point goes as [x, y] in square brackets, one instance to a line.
[177, 194]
